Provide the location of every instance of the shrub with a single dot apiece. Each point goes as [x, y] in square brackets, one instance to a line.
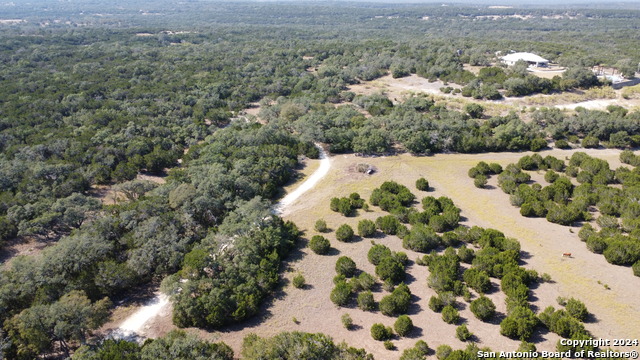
[474, 110]
[388, 224]
[466, 254]
[480, 181]
[319, 245]
[590, 142]
[345, 206]
[365, 301]
[418, 352]
[403, 325]
[478, 280]
[435, 303]
[345, 266]
[551, 176]
[636, 268]
[443, 352]
[421, 238]
[562, 144]
[389, 345]
[298, 281]
[347, 321]
[377, 253]
[462, 333]
[366, 228]
[390, 269]
[519, 324]
[380, 332]
[364, 282]
[450, 315]
[495, 168]
[577, 309]
[341, 293]
[422, 184]
[344, 233]
[438, 223]
[321, 226]
[396, 303]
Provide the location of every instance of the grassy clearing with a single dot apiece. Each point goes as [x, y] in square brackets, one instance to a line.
[581, 276]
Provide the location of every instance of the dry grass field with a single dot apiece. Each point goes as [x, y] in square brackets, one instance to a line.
[396, 89]
[583, 276]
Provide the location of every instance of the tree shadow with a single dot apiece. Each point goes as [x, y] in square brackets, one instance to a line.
[415, 333]
[538, 335]
[496, 319]
[409, 279]
[591, 319]
[414, 306]
[332, 252]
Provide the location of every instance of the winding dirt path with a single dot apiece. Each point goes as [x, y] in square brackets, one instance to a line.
[133, 327]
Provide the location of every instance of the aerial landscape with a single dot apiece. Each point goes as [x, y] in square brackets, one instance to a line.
[408, 180]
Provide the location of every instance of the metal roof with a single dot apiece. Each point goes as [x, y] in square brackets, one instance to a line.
[529, 57]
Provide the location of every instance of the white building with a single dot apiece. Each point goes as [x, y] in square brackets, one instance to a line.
[532, 59]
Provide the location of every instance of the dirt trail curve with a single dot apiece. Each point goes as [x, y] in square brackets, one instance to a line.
[133, 327]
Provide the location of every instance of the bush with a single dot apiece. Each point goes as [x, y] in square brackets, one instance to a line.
[474, 110]
[366, 228]
[298, 281]
[443, 351]
[421, 238]
[562, 144]
[466, 254]
[462, 333]
[345, 266]
[341, 293]
[590, 142]
[344, 233]
[480, 181]
[396, 303]
[636, 268]
[390, 269]
[319, 245]
[478, 280]
[435, 303]
[495, 168]
[551, 176]
[577, 309]
[422, 184]
[519, 324]
[418, 352]
[389, 345]
[347, 321]
[377, 253]
[483, 308]
[450, 315]
[403, 325]
[364, 282]
[380, 332]
[388, 224]
[321, 226]
[365, 301]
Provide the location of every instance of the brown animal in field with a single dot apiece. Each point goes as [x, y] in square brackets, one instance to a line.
[566, 255]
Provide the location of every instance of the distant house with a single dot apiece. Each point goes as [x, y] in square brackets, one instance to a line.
[532, 59]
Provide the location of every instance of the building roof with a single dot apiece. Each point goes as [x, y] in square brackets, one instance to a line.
[529, 57]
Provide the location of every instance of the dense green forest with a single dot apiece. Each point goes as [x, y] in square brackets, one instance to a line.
[96, 96]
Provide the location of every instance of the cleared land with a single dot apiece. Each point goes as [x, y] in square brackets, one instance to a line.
[543, 243]
[396, 89]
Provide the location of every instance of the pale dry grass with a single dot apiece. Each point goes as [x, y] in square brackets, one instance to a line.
[542, 242]
[595, 98]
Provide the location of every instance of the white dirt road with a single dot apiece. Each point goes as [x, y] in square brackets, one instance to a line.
[133, 327]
